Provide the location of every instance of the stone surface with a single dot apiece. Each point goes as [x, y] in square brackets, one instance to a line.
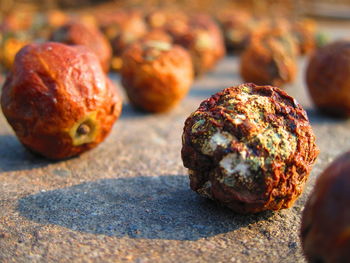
[129, 200]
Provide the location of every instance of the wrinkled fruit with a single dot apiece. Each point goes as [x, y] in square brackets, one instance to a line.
[58, 100]
[250, 148]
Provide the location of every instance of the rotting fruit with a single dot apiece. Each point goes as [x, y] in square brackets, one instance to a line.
[58, 100]
[156, 75]
[328, 78]
[251, 148]
[325, 228]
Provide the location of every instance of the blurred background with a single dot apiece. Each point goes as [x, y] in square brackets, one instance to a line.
[332, 8]
[124, 21]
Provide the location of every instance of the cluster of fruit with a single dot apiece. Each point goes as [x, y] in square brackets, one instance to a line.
[145, 39]
[249, 147]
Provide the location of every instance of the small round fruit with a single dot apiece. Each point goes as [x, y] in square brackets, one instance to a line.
[204, 40]
[156, 75]
[325, 228]
[75, 33]
[58, 100]
[270, 58]
[251, 148]
[238, 27]
[305, 32]
[328, 78]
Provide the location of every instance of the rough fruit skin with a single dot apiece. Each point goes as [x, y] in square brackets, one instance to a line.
[250, 148]
[75, 33]
[328, 78]
[270, 58]
[325, 228]
[53, 88]
[156, 75]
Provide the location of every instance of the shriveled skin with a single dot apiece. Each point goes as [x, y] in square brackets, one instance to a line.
[58, 100]
[250, 148]
[156, 75]
[203, 39]
[328, 78]
[75, 33]
[325, 228]
[270, 58]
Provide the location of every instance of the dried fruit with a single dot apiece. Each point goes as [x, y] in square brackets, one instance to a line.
[270, 58]
[305, 32]
[250, 148]
[75, 33]
[122, 28]
[238, 27]
[325, 228]
[156, 75]
[328, 78]
[58, 100]
[202, 37]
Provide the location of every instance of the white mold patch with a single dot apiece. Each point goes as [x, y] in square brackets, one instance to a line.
[222, 139]
[239, 118]
[231, 163]
[236, 168]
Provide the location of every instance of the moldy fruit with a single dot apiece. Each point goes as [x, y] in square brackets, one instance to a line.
[156, 75]
[328, 78]
[58, 100]
[325, 228]
[250, 148]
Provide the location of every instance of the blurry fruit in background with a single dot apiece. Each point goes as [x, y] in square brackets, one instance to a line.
[304, 31]
[10, 45]
[328, 78]
[202, 37]
[17, 20]
[76, 33]
[156, 75]
[157, 35]
[122, 28]
[238, 27]
[270, 58]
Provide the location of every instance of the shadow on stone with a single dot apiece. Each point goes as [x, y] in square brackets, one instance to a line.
[140, 207]
[129, 111]
[202, 93]
[14, 157]
[318, 117]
